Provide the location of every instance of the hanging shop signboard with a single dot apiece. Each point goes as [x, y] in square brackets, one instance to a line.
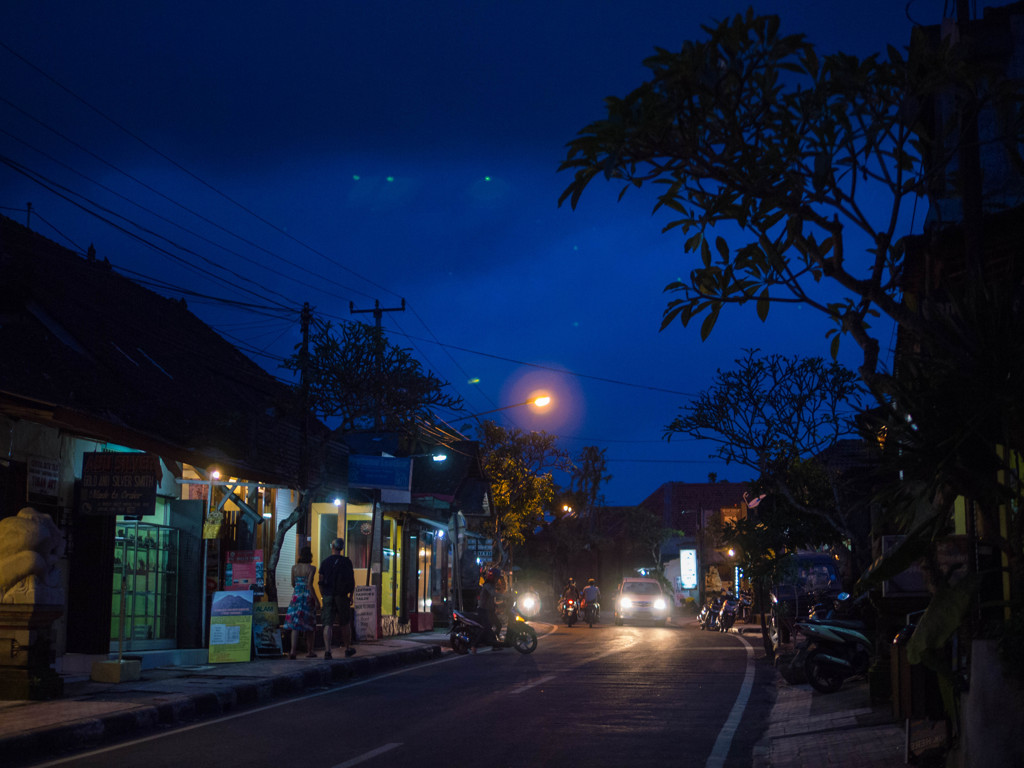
[384, 472]
[119, 483]
[43, 479]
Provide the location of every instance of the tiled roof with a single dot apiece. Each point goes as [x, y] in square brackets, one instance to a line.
[110, 359]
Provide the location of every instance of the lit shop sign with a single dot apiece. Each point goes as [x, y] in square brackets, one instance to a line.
[119, 483]
[688, 568]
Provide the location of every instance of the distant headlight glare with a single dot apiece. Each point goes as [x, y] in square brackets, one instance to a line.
[625, 602]
[659, 604]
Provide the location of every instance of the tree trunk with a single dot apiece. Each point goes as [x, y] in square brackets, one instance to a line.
[286, 525]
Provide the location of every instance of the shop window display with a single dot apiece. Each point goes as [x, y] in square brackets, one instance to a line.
[145, 587]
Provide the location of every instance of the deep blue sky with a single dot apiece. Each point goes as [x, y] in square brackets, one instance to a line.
[345, 151]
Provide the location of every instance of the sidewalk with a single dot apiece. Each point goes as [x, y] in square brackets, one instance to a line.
[91, 714]
[807, 729]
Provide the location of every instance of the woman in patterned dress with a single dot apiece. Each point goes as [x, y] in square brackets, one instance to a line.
[302, 609]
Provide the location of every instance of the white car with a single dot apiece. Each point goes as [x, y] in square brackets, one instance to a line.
[641, 600]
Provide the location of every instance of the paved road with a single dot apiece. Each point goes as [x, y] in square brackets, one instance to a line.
[606, 696]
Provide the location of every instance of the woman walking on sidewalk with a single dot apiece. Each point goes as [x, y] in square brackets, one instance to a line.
[302, 609]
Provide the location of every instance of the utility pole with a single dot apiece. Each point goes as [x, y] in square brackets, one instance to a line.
[305, 318]
[378, 311]
[373, 573]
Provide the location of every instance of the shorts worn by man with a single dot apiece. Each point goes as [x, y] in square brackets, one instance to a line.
[337, 583]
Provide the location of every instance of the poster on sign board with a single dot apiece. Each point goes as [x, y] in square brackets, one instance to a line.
[243, 569]
[266, 629]
[367, 618]
[231, 627]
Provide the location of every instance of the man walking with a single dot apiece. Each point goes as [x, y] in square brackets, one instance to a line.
[337, 583]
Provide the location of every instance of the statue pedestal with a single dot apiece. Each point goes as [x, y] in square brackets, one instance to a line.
[25, 671]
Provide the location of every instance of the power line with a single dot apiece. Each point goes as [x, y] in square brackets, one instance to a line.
[542, 367]
[314, 286]
[189, 173]
[65, 194]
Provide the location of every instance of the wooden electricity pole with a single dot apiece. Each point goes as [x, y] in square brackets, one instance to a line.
[374, 572]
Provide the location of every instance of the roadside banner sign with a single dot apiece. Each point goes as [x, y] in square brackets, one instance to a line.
[231, 627]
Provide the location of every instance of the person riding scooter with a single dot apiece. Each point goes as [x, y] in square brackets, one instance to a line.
[569, 604]
[591, 599]
[571, 590]
[487, 607]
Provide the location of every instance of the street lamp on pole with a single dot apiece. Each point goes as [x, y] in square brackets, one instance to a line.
[540, 401]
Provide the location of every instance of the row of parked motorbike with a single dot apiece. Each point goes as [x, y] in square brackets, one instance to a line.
[725, 610]
[835, 645]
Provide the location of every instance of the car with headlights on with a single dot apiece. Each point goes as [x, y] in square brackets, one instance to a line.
[639, 599]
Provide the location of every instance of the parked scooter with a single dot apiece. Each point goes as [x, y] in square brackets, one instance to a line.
[727, 613]
[835, 648]
[467, 633]
[745, 607]
[708, 616]
[570, 609]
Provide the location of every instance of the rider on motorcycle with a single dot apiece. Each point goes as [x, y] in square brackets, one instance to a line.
[591, 595]
[487, 607]
[571, 590]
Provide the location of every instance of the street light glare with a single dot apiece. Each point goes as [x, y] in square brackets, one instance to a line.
[541, 401]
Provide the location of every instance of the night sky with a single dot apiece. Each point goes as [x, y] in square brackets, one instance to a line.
[348, 152]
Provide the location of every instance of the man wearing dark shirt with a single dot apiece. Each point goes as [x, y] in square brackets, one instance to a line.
[337, 583]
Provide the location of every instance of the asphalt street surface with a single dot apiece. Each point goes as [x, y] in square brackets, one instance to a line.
[601, 696]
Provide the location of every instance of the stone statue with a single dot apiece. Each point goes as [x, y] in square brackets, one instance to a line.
[30, 546]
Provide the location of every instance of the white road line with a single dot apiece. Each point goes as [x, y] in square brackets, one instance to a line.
[246, 712]
[721, 749]
[367, 755]
[528, 686]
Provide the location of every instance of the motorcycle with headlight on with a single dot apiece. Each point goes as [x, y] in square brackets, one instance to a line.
[467, 633]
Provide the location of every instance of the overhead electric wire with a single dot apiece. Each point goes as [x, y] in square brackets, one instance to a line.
[553, 369]
[451, 357]
[177, 165]
[189, 173]
[53, 187]
[164, 286]
[314, 286]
